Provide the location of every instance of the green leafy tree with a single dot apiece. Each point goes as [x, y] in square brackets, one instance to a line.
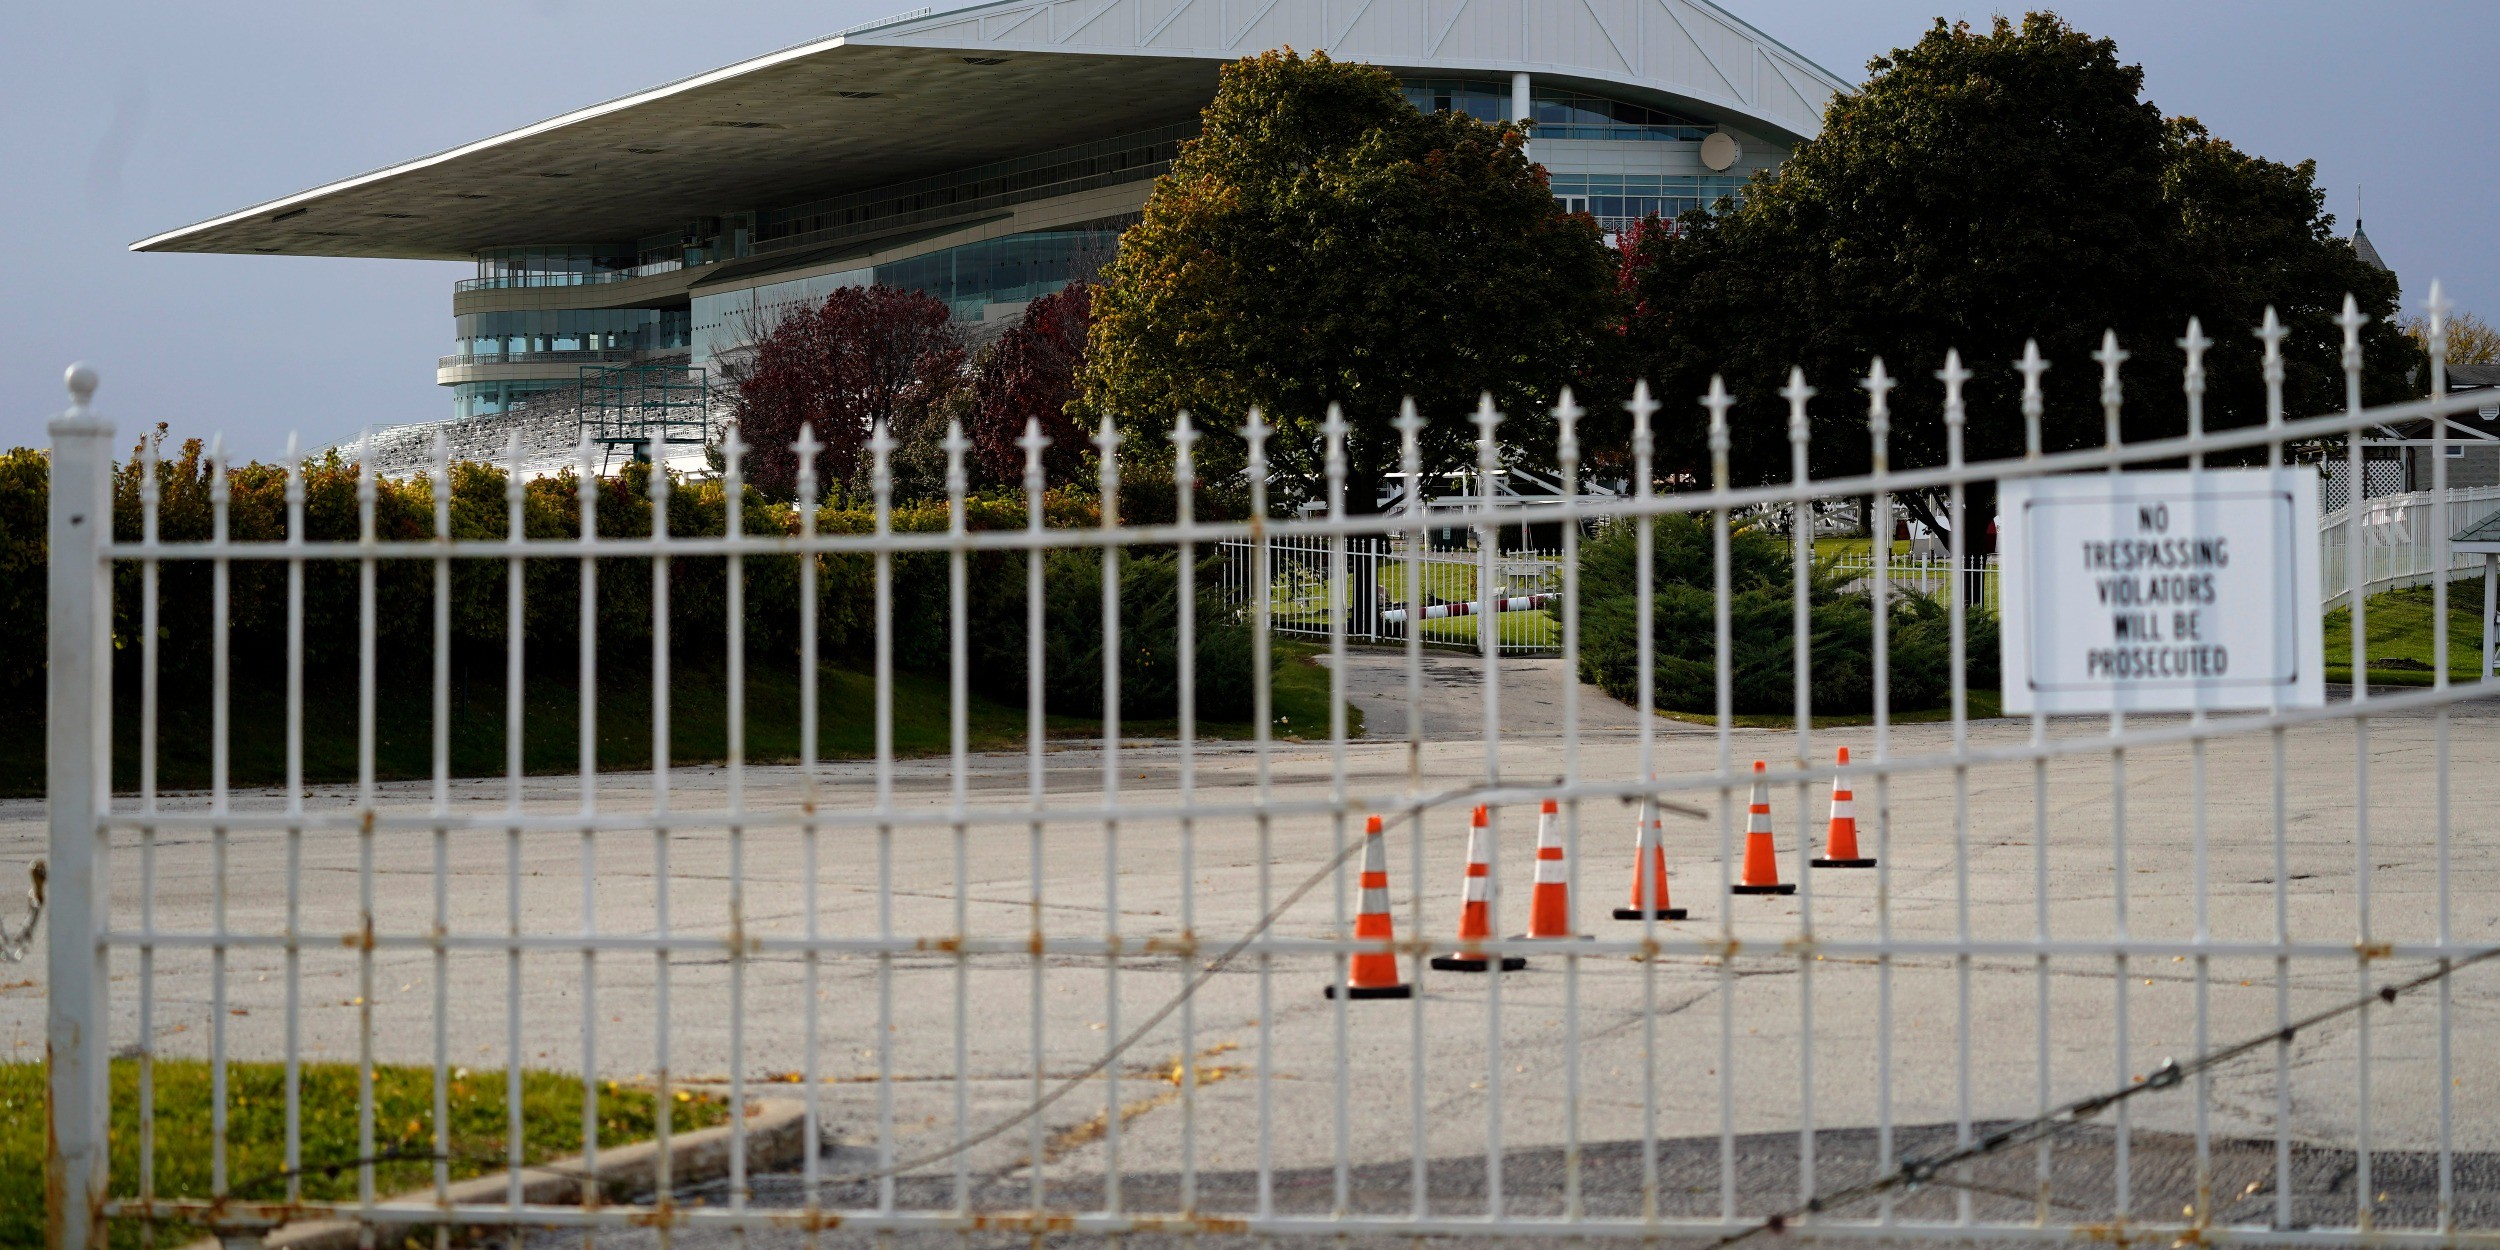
[1986, 187]
[1323, 242]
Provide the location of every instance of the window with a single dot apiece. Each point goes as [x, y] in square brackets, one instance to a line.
[1559, 113]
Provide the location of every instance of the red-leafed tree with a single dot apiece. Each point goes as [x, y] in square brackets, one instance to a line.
[846, 364]
[1030, 375]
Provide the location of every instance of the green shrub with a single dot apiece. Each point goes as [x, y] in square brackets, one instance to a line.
[1761, 633]
[550, 621]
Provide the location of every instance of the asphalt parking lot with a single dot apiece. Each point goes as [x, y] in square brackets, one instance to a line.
[1333, 1083]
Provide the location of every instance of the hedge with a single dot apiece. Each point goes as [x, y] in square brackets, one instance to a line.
[551, 509]
[1762, 628]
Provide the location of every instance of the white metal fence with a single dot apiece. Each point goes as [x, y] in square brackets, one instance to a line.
[2399, 541]
[1074, 988]
[1308, 601]
[1924, 573]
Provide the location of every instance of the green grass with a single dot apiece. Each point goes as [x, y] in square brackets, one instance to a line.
[1826, 548]
[403, 1101]
[1516, 629]
[2400, 642]
[1299, 698]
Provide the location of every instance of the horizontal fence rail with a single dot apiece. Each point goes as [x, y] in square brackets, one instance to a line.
[1077, 958]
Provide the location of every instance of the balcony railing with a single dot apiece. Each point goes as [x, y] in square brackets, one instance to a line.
[550, 278]
[588, 356]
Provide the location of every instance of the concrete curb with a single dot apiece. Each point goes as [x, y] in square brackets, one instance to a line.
[776, 1135]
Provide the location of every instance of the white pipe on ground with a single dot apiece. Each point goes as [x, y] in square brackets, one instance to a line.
[1441, 611]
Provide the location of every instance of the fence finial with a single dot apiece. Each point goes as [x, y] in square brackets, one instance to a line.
[1953, 375]
[956, 482]
[1184, 437]
[1642, 407]
[2271, 330]
[80, 378]
[1410, 426]
[2192, 381]
[2032, 365]
[881, 445]
[2436, 337]
[2351, 319]
[1718, 401]
[805, 448]
[1567, 413]
[1107, 470]
[1333, 432]
[2112, 395]
[1878, 386]
[1797, 393]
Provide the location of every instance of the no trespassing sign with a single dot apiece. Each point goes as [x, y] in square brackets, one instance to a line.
[2161, 591]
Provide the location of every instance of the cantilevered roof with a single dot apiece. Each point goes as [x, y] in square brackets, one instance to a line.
[923, 95]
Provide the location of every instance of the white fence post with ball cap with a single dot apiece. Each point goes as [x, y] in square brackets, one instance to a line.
[78, 704]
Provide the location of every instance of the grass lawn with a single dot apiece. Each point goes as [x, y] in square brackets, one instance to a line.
[698, 715]
[1517, 629]
[2399, 624]
[1864, 548]
[403, 1105]
[1982, 704]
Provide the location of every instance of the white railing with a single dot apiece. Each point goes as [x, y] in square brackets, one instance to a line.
[1924, 573]
[1308, 602]
[1073, 985]
[2398, 545]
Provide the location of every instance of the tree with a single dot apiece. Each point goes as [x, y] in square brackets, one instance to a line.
[863, 357]
[1984, 188]
[2471, 340]
[1323, 242]
[1030, 374]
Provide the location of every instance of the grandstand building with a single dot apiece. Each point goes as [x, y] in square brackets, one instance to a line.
[987, 156]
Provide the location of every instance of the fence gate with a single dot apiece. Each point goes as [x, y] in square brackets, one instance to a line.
[2151, 980]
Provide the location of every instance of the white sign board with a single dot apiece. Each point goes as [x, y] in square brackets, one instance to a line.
[2161, 591]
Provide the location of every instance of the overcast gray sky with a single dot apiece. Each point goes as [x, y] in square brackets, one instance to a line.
[126, 119]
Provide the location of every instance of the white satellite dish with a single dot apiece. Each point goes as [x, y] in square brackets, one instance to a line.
[1719, 150]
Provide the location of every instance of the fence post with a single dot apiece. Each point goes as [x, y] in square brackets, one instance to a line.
[79, 680]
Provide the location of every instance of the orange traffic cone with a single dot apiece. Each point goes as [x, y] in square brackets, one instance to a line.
[1840, 846]
[1762, 869]
[1649, 871]
[1473, 923]
[1549, 910]
[1373, 974]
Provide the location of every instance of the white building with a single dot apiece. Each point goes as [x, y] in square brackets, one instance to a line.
[988, 156]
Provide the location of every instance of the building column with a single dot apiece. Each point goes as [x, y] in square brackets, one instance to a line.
[1522, 104]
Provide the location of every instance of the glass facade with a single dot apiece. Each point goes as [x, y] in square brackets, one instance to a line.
[969, 277]
[1007, 270]
[1559, 113]
[485, 399]
[514, 336]
[561, 265]
[1619, 198]
[1482, 99]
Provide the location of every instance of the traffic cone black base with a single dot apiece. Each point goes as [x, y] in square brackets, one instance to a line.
[1478, 963]
[1843, 863]
[1371, 991]
[1635, 913]
[1784, 887]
